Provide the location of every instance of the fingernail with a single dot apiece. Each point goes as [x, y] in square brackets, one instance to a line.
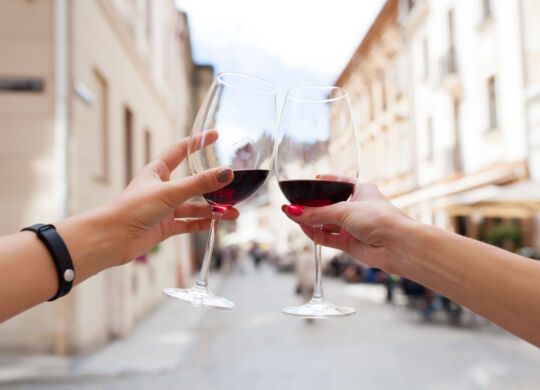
[295, 210]
[224, 175]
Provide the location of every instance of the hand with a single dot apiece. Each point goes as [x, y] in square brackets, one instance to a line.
[364, 227]
[148, 210]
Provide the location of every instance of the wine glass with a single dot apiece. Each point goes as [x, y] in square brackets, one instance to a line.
[317, 165]
[242, 109]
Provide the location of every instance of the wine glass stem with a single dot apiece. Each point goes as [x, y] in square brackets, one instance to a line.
[317, 289]
[205, 267]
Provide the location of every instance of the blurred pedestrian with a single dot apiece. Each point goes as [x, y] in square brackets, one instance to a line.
[305, 271]
[257, 254]
[227, 258]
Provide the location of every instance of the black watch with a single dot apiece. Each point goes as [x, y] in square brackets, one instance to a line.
[60, 255]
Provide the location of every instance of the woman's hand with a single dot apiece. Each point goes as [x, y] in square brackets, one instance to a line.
[365, 227]
[146, 213]
[153, 207]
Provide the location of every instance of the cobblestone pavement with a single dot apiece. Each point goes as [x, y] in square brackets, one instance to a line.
[255, 347]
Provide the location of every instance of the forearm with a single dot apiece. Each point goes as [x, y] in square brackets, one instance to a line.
[497, 284]
[27, 271]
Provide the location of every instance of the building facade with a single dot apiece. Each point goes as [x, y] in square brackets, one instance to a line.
[91, 91]
[375, 80]
[447, 100]
[466, 82]
[530, 14]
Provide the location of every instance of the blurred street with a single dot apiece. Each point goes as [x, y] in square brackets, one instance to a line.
[254, 346]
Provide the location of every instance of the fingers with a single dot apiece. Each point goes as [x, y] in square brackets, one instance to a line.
[178, 191]
[202, 140]
[174, 155]
[190, 226]
[230, 214]
[197, 225]
[331, 228]
[202, 210]
[336, 241]
[314, 216]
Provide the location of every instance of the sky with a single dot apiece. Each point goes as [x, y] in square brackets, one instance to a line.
[291, 43]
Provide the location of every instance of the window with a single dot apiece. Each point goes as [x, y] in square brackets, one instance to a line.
[425, 55]
[398, 77]
[451, 65]
[451, 38]
[379, 155]
[492, 102]
[128, 144]
[102, 124]
[148, 19]
[372, 161]
[147, 146]
[383, 90]
[486, 9]
[404, 159]
[430, 145]
[388, 153]
[370, 98]
[359, 110]
[457, 143]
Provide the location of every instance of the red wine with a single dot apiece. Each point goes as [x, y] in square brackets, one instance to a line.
[316, 193]
[244, 184]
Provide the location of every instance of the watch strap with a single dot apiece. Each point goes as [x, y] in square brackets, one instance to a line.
[60, 255]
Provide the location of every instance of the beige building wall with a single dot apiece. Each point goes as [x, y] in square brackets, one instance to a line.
[375, 80]
[530, 14]
[129, 97]
[455, 51]
[27, 155]
[27, 152]
[438, 90]
[466, 82]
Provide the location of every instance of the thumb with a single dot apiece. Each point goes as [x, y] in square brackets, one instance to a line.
[334, 214]
[180, 190]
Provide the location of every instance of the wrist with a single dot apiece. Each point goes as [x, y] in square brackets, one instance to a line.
[94, 241]
[402, 235]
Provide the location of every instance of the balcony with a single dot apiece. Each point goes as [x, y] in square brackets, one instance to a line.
[414, 14]
[448, 74]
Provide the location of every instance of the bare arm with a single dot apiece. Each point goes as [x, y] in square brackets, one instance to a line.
[499, 285]
[495, 283]
[151, 209]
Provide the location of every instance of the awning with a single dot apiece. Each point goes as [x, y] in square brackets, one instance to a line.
[498, 175]
[518, 200]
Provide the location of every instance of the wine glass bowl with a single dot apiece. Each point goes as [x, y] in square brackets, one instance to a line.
[316, 166]
[242, 110]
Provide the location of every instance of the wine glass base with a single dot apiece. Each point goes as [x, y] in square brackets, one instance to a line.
[320, 308]
[198, 296]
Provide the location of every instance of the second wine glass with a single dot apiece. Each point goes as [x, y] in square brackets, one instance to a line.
[316, 166]
[242, 109]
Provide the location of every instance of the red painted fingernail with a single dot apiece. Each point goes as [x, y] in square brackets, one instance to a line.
[295, 210]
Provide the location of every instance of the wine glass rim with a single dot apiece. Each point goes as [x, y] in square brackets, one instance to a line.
[272, 90]
[331, 88]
